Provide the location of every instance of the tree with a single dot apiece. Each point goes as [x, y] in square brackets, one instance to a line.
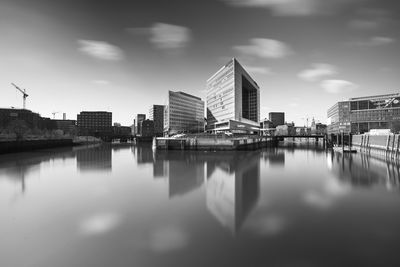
[19, 128]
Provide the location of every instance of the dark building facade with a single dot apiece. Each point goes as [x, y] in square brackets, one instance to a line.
[361, 114]
[277, 118]
[31, 119]
[67, 126]
[147, 128]
[95, 123]
[156, 114]
[138, 121]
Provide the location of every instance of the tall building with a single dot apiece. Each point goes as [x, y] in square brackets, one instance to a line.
[94, 123]
[361, 114]
[146, 128]
[156, 114]
[138, 122]
[233, 100]
[277, 118]
[184, 113]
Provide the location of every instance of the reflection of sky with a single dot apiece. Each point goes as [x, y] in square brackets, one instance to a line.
[293, 215]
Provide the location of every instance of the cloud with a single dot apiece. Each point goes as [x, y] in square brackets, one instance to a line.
[281, 7]
[361, 24]
[99, 223]
[331, 190]
[270, 224]
[317, 71]
[168, 238]
[374, 41]
[337, 86]
[101, 82]
[295, 7]
[100, 50]
[165, 36]
[264, 48]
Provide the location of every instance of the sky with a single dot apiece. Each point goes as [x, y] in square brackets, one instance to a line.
[124, 56]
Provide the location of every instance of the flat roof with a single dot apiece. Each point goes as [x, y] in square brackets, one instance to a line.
[186, 94]
[374, 96]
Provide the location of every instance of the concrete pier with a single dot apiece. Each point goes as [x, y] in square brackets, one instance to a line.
[213, 143]
[383, 146]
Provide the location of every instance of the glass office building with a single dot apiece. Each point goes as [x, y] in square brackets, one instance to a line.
[361, 114]
[184, 113]
[233, 100]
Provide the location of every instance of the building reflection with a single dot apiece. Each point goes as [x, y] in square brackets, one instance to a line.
[231, 180]
[144, 153]
[233, 186]
[365, 171]
[274, 156]
[17, 167]
[185, 170]
[94, 158]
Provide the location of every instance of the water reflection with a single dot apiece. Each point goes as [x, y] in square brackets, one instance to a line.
[17, 167]
[95, 158]
[364, 171]
[233, 186]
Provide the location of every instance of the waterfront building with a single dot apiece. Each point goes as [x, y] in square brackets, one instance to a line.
[184, 113]
[146, 128]
[277, 118]
[156, 114]
[233, 100]
[94, 123]
[67, 126]
[138, 121]
[31, 119]
[361, 114]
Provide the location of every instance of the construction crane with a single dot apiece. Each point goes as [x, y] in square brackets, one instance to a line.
[24, 94]
[54, 114]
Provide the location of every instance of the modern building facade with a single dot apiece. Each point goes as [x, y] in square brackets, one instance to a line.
[277, 118]
[67, 126]
[233, 100]
[147, 128]
[94, 123]
[361, 114]
[138, 122]
[156, 114]
[184, 113]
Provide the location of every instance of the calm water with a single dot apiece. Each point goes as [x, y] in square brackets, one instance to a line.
[122, 205]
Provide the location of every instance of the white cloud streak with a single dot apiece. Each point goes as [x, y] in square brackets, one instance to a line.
[337, 86]
[165, 36]
[317, 71]
[295, 7]
[99, 223]
[100, 50]
[257, 70]
[264, 48]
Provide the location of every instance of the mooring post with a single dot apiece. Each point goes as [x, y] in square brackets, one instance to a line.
[342, 137]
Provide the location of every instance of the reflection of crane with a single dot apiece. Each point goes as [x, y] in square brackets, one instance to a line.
[24, 94]
[54, 114]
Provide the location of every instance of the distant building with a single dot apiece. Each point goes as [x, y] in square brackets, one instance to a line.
[361, 114]
[266, 127]
[67, 126]
[95, 123]
[277, 118]
[184, 113]
[286, 129]
[146, 128]
[317, 128]
[122, 130]
[31, 119]
[233, 100]
[138, 121]
[156, 114]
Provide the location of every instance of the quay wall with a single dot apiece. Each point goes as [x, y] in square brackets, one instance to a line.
[28, 145]
[386, 146]
[212, 143]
